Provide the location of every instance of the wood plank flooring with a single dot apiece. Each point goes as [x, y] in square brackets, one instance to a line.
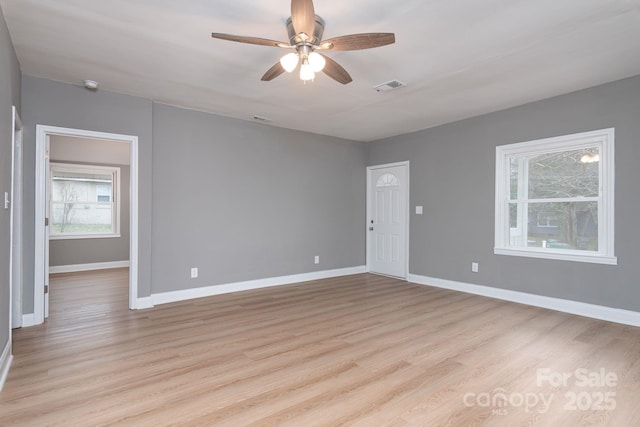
[360, 350]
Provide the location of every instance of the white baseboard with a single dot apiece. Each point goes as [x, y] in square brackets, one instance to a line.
[28, 320]
[87, 267]
[186, 294]
[142, 303]
[5, 363]
[610, 314]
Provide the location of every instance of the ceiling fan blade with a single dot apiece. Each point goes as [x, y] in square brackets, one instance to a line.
[303, 16]
[273, 72]
[358, 41]
[250, 40]
[335, 71]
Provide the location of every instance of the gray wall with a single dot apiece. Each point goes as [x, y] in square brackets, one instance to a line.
[85, 251]
[262, 201]
[9, 96]
[245, 201]
[453, 176]
[59, 104]
[239, 200]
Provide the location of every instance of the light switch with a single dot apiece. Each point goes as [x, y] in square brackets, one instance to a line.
[6, 200]
[418, 210]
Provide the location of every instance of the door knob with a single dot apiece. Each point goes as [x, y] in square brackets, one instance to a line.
[370, 228]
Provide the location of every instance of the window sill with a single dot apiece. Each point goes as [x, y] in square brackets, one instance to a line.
[559, 255]
[82, 236]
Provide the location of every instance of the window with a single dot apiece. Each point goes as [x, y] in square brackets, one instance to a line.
[84, 201]
[387, 180]
[103, 193]
[547, 219]
[554, 198]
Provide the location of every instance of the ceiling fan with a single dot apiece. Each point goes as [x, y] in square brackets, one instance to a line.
[305, 30]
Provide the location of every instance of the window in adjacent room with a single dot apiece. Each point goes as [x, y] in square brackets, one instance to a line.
[84, 201]
[554, 198]
[103, 192]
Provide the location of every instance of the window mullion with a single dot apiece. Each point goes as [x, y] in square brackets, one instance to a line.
[559, 200]
[522, 207]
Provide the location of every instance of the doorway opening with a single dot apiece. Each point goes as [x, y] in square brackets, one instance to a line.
[81, 147]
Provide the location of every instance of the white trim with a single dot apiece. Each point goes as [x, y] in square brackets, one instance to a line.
[5, 363]
[133, 221]
[207, 291]
[72, 268]
[144, 302]
[617, 315]
[15, 224]
[42, 133]
[370, 169]
[83, 236]
[558, 254]
[604, 139]
[28, 320]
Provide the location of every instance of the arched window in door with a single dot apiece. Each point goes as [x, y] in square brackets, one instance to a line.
[387, 180]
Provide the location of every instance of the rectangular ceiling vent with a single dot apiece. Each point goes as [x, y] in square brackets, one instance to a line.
[391, 85]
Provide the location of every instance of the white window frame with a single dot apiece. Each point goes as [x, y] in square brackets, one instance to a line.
[604, 140]
[114, 171]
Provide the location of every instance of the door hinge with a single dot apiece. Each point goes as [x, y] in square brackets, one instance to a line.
[46, 289]
[46, 222]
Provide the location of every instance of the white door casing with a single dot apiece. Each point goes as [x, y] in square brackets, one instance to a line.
[47, 204]
[15, 257]
[388, 219]
[41, 263]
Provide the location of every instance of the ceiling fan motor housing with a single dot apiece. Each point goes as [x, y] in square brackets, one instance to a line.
[316, 37]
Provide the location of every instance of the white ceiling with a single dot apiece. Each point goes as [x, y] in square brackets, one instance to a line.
[460, 58]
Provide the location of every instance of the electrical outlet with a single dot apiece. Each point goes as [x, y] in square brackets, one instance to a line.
[194, 272]
[316, 260]
[474, 267]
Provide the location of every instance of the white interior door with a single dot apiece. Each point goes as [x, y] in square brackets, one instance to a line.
[387, 220]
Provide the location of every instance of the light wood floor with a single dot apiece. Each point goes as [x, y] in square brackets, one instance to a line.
[360, 350]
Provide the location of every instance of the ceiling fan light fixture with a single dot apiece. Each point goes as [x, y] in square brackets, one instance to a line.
[316, 62]
[289, 62]
[306, 72]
